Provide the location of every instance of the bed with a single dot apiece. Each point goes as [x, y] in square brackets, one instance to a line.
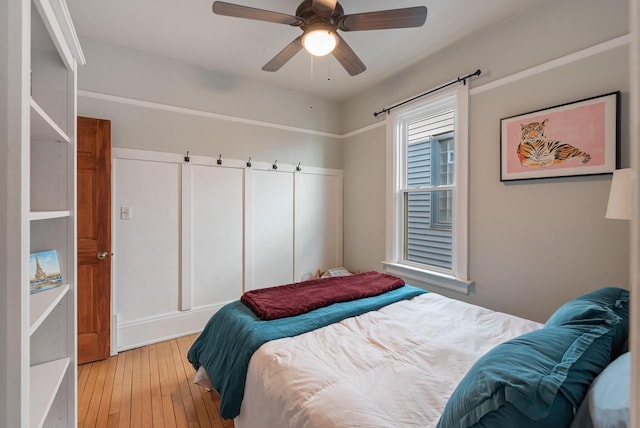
[408, 358]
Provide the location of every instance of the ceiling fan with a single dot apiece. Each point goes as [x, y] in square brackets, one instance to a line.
[319, 21]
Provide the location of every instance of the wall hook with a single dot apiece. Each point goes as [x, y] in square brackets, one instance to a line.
[249, 162]
[186, 158]
[274, 166]
[219, 161]
[298, 167]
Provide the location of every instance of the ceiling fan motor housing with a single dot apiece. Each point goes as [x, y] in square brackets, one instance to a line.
[313, 20]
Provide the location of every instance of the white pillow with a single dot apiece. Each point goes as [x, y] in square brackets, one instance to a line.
[340, 271]
[607, 402]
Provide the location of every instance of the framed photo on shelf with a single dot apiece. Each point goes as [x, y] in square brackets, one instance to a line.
[576, 138]
[44, 271]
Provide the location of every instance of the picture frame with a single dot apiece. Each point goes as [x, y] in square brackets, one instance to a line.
[573, 139]
[44, 271]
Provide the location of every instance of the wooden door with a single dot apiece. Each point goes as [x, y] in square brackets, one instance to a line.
[94, 239]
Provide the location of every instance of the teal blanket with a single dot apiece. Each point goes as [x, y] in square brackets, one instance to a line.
[234, 333]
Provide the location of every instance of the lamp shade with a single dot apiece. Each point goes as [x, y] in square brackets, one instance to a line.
[319, 41]
[619, 206]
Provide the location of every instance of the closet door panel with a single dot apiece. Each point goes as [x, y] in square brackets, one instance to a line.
[216, 234]
[147, 243]
[318, 224]
[269, 236]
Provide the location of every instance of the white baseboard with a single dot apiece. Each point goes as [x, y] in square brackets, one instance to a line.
[142, 332]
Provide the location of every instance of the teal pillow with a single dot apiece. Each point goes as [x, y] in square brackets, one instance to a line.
[606, 305]
[559, 412]
[599, 305]
[532, 380]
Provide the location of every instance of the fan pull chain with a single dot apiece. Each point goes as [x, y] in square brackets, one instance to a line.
[311, 78]
[311, 72]
[329, 69]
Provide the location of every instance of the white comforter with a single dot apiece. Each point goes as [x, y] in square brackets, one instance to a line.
[395, 367]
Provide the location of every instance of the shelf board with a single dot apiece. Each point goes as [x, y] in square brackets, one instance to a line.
[45, 381]
[42, 303]
[46, 215]
[43, 128]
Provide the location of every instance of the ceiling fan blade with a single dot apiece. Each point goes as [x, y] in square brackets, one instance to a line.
[324, 8]
[348, 58]
[238, 11]
[284, 55]
[384, 19]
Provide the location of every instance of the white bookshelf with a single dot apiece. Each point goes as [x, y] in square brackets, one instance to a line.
[44, 215]
[46, 380]
[41, 64]
[43, 128]
[42, 304]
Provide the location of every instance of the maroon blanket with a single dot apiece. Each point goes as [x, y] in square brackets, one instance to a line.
[301, 297]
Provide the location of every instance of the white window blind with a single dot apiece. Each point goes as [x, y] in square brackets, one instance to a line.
[424, 128]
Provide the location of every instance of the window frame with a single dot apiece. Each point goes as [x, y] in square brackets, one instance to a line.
[455, 278]
[435, 204]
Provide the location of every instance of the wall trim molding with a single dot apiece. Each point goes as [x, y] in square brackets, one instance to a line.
[146, 331]
[364, 129]
[549, 65]
[146, 155]
[168, 157]
[555, 63]
[195, 112]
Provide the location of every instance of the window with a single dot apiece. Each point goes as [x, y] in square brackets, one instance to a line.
[427, 201]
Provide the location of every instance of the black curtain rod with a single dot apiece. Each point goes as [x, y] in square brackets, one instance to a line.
[453, 82]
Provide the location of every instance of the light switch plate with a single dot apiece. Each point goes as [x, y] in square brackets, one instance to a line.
[126, 213]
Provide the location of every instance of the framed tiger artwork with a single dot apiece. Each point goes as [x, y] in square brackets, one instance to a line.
[577, 138]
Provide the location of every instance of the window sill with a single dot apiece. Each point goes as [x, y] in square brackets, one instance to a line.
[421, 277]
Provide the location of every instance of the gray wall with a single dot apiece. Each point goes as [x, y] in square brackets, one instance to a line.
[533, 244]
[364, 200]
[568, 247]
[227, 115]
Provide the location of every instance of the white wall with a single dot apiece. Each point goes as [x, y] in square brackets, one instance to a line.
[123, 72]
[162, 105]
[548, 239]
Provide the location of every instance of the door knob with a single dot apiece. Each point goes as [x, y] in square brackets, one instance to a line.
[102, 255]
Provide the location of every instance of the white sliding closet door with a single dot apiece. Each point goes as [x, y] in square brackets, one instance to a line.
[269, 228]
[318, 223]
[216, 234]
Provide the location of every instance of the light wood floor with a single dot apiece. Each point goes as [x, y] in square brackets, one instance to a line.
[146, 387]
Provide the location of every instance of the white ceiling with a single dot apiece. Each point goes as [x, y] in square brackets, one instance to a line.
[188, 31]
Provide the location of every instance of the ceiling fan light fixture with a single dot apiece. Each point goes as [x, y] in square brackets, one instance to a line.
[319, 42]
[320, 21]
